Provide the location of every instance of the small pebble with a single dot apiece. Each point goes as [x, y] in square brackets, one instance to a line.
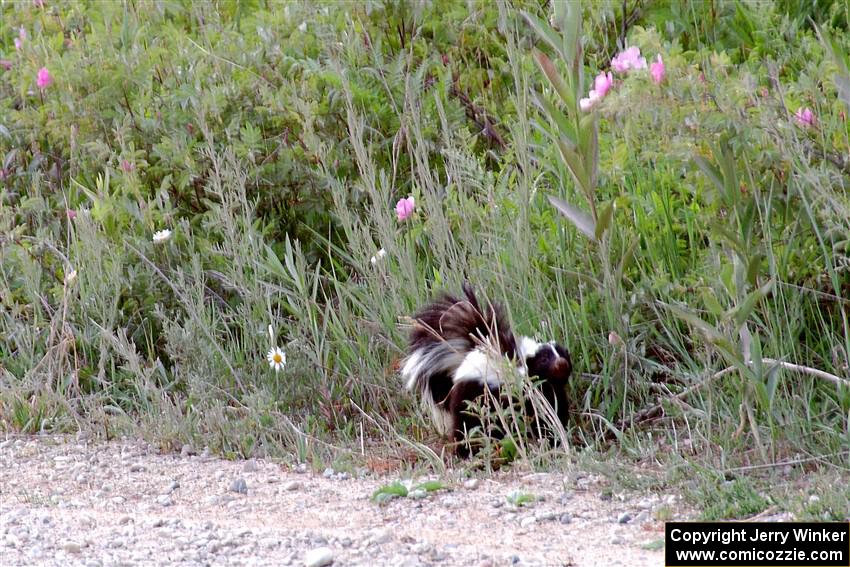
[319, 557]
[250, 466]
[624, 518]
[527, 521]
[329, 472]
[471, 484]
[292, 485]
[137, 468]
[186, 450]
[72, 547]
[566, 518]
[239, 486]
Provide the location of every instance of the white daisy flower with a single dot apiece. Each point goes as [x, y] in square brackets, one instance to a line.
[161, 236]
[381, 253]
[276, 358]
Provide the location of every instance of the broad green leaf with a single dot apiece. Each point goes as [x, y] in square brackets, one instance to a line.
[604, 221]
[546, 33]
[711, 172]
[741, 312]
[771, 382]
[388, 492]
[565, 127]
[589, 144]
[580, 219]
[711, 303]
[753, 268]
[555, 79]
[730, 176]
[521, 498]
[842, 62]
[567, 15]
[273, 263]
[575, 167]
[696, 321]
[430, 486]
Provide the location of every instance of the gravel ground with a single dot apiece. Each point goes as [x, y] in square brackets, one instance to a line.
[64, 501]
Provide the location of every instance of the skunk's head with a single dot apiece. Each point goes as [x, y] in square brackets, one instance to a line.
[549, 362]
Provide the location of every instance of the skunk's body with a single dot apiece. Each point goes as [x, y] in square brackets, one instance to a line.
[458, 351]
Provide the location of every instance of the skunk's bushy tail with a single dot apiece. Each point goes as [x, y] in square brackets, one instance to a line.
[450, 334]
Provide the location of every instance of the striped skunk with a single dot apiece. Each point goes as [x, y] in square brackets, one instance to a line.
[457, 350]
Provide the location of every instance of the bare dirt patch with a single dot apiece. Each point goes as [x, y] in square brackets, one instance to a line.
[68, 502]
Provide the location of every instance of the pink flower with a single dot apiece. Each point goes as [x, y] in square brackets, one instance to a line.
[404, 208]
[657, 70]
[627, 60]
[805, 117]
[38, 3]
[18, 43]
[22, 33]
[71, 214]
[6, 64]
[601, 86]
[44, 79]
[127, 166]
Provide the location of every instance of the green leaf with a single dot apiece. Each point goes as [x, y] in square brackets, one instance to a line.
[753, 268]
[430, 486]
[711, 303]
[518, 498]
[567, 15]
[771, 382]
[695, 320]
[508, 449]
[711, 172]
[730, 175]
[581, 220]
[842, 62]
[604, 221]
[546, 33]
[555, 79]
[389, 491]
[565, 127]
[575, 167]
[589, 144]
[742, 311]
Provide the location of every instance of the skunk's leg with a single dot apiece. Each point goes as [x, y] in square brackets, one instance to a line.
[463, 419]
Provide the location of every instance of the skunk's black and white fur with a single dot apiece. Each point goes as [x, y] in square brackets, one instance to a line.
[458, 350]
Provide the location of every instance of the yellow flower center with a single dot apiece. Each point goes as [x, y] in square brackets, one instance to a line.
[277, 358]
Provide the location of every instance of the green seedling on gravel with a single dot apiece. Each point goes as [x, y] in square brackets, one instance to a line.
[397, 490]
[389, 491]
[520, 499]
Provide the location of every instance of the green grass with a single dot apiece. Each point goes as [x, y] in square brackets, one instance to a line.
[276, 155]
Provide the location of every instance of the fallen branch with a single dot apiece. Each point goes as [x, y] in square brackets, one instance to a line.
[655, 411]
